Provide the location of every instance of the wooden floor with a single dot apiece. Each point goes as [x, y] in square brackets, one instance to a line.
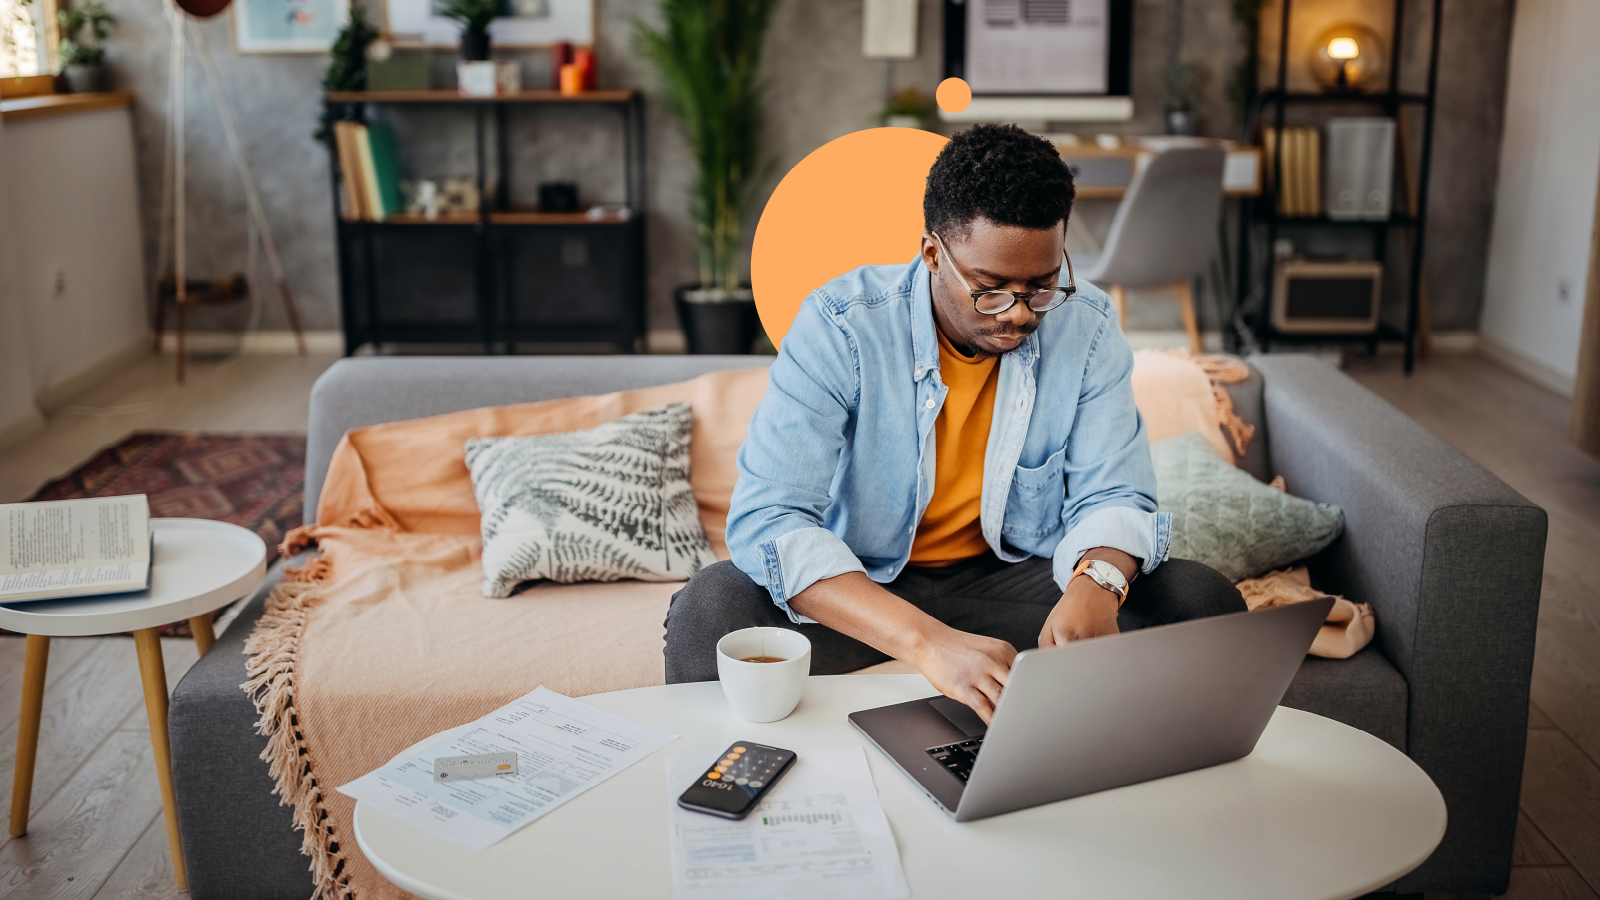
[97, 829]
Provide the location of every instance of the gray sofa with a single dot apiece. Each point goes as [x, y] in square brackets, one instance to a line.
[1448, 555]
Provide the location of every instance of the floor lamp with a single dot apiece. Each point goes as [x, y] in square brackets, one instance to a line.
[184, 15]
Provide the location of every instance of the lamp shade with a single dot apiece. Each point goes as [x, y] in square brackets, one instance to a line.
[1348, 57]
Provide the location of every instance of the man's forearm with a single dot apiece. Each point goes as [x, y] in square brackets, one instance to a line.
[855, 605]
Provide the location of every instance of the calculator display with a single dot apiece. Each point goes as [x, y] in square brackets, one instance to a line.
[732, 785]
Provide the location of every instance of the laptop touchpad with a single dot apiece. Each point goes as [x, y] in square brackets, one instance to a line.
[960, 715]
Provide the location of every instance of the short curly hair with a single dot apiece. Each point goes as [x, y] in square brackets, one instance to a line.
[1001, 173]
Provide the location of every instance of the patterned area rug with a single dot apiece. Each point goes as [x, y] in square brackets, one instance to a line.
[253, 480]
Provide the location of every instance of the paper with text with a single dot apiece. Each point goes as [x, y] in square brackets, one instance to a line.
[820, 833]
[563, 746]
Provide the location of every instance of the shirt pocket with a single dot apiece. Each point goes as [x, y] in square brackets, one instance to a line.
[1037, 495]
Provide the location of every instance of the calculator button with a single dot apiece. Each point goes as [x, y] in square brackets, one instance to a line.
[756, 784]
[741, 781]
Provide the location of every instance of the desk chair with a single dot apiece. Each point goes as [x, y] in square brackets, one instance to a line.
[1164, 231]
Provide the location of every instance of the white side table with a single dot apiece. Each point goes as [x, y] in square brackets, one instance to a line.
[1319, 811]
[199, 566]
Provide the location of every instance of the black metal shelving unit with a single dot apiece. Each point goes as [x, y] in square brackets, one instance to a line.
[502, 275]
[1263, 211]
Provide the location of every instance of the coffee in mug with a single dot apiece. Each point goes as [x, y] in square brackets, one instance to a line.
[763, 671]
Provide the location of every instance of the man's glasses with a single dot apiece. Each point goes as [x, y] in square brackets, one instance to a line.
[993, 303]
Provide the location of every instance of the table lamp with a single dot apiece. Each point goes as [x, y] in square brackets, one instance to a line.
[1346, 59]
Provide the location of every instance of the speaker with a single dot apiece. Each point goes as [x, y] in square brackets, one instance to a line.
[1326, 297]
[1360, 170]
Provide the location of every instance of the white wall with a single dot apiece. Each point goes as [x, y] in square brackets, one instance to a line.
[18, 415]
[75, 240]
[1545, 205]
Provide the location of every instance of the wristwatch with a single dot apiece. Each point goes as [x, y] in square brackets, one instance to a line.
[1106, 575]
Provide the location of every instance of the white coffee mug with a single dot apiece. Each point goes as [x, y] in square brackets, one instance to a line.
[763, 691]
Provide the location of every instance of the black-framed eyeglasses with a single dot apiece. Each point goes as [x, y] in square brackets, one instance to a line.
[993, 303]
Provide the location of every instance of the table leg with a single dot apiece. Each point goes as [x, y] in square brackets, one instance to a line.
[204, 635]
[154, 672]
[33, 668]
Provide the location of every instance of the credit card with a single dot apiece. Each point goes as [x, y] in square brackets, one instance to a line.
[481, 765]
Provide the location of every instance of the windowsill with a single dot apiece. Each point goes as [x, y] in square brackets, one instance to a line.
[42, 105]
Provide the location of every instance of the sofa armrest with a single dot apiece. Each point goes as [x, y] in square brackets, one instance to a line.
[238, 841]
[1451, 559]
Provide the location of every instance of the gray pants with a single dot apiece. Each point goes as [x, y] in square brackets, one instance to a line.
[986, 596]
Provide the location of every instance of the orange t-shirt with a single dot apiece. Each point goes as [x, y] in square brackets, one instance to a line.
[950, 530]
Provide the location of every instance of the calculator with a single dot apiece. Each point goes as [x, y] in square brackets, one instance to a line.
[736, 782]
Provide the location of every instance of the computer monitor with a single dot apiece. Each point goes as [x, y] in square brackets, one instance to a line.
[1053, 60]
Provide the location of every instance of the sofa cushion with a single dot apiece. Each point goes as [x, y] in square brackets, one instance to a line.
[602, 504]
[1364, 691]
[1223, 517]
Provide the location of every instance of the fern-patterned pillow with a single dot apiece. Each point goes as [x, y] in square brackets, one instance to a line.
[604, 504]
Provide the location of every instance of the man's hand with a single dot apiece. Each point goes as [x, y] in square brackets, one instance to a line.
[1086, 610]
[970, 668]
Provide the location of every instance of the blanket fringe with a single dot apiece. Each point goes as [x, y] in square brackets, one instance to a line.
[1222, 369]
[271, 650]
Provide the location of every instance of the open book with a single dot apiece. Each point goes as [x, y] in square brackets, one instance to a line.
[73, 548]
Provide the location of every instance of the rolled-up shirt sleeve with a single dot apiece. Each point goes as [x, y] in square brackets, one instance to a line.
[1111, 481]
[787, 464]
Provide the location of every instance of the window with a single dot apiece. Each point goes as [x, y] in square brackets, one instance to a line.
[23, 47]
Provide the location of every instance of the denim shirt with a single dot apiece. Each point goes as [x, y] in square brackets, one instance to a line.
[838, 466]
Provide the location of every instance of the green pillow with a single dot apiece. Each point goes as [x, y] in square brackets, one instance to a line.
[1223, 517]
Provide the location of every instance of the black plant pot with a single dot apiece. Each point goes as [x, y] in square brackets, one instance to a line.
[474, 45]
[720, 327]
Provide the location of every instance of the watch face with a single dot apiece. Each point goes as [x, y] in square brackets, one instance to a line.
[1108, 572]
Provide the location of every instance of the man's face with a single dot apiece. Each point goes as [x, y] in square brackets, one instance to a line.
[991, 257]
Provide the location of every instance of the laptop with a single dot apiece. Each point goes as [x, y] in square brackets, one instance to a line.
[1097, 714]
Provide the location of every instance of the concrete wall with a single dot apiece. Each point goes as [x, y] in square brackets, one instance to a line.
[1549, 169]
[71, 270]
[821, 88]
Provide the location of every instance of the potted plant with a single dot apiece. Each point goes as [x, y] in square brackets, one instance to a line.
[709, 55]
[1182, 88]
[83, 27]
[907, 108]
[474, 17]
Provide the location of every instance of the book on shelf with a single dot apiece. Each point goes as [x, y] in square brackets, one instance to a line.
[1300, 193]
[370, 167]
[74, 548]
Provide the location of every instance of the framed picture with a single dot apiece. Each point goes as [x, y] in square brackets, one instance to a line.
[532, 23]
[287, 26]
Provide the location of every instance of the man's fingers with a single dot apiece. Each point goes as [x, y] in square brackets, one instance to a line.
[980, 703]
[1047, 637]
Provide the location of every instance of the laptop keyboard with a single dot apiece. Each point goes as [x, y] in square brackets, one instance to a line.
[958, 758]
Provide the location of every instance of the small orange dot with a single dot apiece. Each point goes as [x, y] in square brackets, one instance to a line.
[954, 94]
[738, 749]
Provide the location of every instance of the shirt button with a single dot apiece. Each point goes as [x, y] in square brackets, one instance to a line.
[928, 404]
[1021, 402]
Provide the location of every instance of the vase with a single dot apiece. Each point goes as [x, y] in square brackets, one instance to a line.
[474, 45]
[81, 79]
[715, 323]
[1183, 121]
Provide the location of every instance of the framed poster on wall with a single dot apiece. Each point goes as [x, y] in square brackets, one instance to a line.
[287, 26]
[531, 23]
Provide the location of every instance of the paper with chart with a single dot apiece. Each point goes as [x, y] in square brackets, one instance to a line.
[563, 747]
[820, 833]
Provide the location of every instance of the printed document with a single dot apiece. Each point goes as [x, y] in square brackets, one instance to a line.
[71, 548]
[820, 833]
[563, 747]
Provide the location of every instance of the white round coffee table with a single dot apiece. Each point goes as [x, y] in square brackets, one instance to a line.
[199, 565]
[1319, 810]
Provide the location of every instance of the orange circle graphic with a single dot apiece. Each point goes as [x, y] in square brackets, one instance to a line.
[854, 201]
[953, 95]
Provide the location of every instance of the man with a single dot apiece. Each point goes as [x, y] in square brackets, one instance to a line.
[948, 466]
